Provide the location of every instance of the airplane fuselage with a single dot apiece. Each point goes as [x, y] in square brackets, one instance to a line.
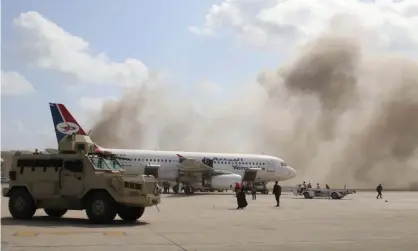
[269, 168]
[193, 169]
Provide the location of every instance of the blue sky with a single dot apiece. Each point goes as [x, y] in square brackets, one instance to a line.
[74, 51]
[154, 32]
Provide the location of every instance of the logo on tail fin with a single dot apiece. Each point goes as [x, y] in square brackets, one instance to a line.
[67, 128]
[64, 122]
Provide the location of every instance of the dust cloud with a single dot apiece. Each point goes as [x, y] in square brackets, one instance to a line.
[340, 112]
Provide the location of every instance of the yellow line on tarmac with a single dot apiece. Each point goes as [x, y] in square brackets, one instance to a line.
[114, 233]
[25, 234]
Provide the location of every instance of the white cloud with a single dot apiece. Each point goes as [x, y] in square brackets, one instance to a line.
[13, 83]
[20, 127]
[281, 24]
[51, 47]
[209, 87]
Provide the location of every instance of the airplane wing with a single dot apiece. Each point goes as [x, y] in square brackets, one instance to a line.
[191, 165]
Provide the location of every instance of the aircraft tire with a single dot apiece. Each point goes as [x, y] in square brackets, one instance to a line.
[55, 213]
[100, 208]
[130, 213]
[307, 195]
[21, 204]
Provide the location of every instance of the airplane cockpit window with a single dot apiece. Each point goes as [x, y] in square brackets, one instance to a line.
[283, 164]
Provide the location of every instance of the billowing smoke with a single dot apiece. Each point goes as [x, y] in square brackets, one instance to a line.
[339, 113]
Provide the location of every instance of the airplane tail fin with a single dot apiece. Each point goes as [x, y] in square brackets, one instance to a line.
[65, 123]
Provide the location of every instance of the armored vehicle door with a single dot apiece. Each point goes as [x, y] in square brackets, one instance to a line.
[71, 178]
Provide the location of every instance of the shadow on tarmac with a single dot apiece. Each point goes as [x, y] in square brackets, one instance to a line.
[45, 221]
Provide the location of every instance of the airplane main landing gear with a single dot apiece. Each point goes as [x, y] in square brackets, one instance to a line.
[188, 189]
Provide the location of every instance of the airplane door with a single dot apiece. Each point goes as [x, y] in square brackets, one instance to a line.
[249, 175]
[152, 170]
[71, 178]
[270, 167]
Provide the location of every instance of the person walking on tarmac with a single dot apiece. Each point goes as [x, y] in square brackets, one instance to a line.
[277, 191]
[254, 192]
[379, 189]
[237, 188]
[166, 186]
[241, 200]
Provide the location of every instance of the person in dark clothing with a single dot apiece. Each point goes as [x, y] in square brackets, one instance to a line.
[254, 192]
[379, 189]
[241, 200]
[277, 191]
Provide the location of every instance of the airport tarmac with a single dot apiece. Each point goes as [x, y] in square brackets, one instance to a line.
[211, 222]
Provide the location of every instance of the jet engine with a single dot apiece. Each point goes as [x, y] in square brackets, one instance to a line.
[225, 181]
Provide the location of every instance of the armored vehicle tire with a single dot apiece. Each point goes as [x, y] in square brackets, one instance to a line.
[100, 208]
[55, 213]
[130, 213]
[334, 196]
[21, 204]
[307, 195]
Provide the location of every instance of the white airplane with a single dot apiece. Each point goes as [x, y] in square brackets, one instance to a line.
[194, 170]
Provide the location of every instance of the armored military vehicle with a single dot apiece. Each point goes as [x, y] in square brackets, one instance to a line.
[79, 177]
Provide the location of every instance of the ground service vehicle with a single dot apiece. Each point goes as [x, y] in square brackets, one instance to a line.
[310, 193]
[77, 178]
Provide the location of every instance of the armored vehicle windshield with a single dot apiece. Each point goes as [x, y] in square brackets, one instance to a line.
[105, 162]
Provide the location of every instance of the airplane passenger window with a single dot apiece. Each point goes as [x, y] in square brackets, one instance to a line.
[169, 160]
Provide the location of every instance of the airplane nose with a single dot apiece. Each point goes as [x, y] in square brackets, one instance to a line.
[292, 172]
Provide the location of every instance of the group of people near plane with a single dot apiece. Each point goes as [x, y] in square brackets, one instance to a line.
[309, 185]
[240, 191]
